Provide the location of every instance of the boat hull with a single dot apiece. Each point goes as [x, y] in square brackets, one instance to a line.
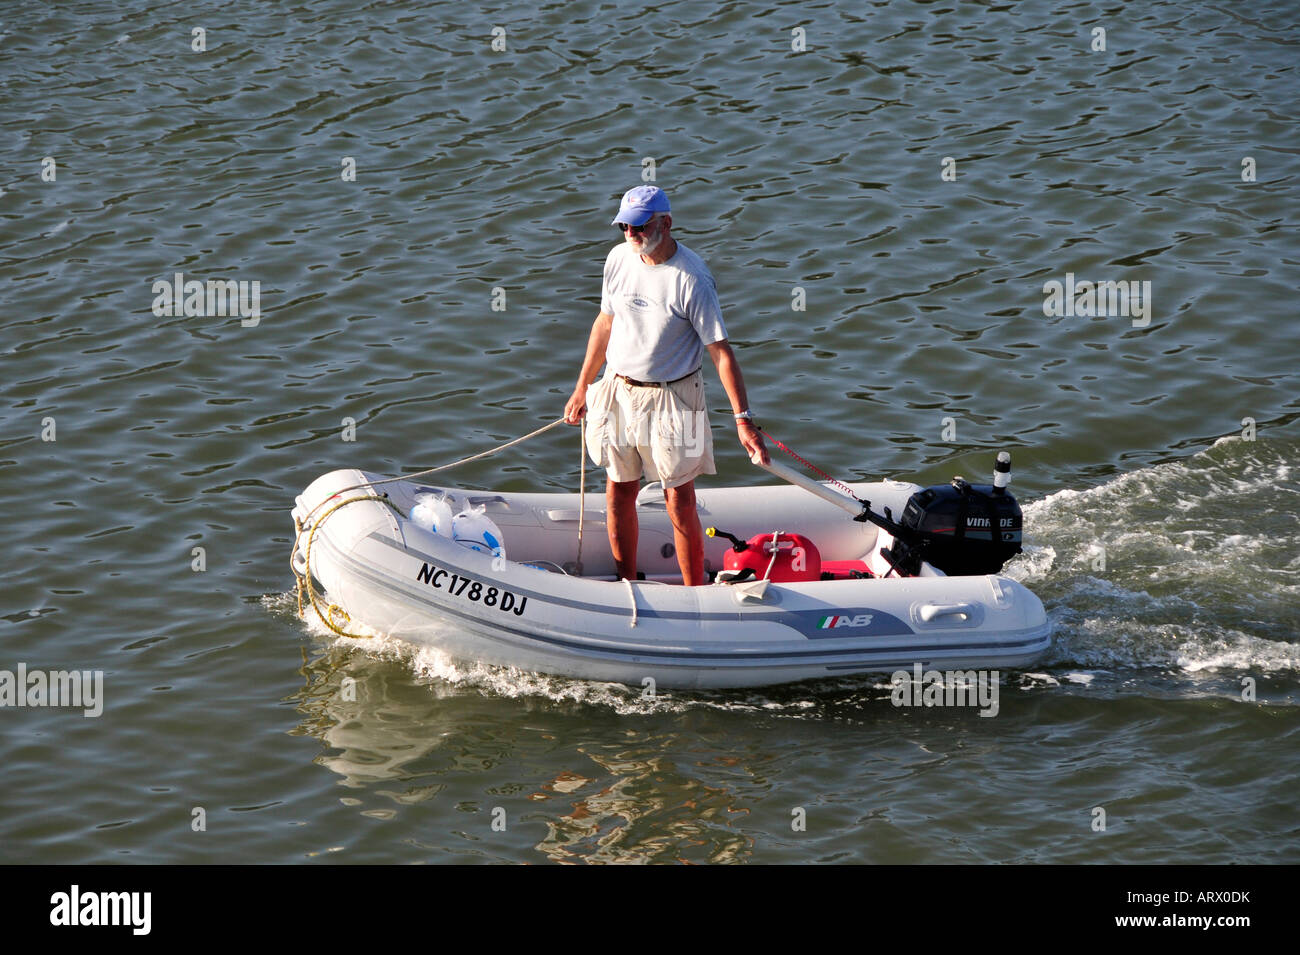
[400, 579]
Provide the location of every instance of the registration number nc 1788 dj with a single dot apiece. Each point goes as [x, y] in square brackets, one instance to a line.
[470, 589]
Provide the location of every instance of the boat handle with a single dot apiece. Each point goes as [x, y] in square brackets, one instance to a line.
[646, 497]
[931, 612]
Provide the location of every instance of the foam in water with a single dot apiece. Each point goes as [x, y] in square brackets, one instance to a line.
[431, 663]
[1171, 565]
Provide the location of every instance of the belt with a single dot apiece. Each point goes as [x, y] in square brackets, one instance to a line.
[654, 384]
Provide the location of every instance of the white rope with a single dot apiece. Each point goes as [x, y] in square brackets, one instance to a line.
[768, 572]
[441, 467]
[542, 560]
[475, 457]
[582, 487]
[582, 483]
[631, 595]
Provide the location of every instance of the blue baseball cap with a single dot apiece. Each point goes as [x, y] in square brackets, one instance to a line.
[640, 204]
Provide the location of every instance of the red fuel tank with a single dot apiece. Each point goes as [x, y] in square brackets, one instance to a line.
[797, 558]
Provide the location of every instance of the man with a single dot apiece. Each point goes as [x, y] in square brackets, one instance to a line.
[659, 313]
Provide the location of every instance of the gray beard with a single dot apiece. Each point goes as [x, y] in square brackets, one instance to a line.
[650, 241]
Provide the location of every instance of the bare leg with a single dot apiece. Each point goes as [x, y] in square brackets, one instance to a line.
[620, 507]
[688, 536]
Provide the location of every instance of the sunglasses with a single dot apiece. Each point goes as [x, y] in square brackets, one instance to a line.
[638, 229]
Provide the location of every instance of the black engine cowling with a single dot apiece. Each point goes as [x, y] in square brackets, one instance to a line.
[960, 528]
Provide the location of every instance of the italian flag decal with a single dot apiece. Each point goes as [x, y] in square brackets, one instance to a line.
[835, 621]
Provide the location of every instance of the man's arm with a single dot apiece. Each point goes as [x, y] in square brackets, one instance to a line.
[596, 345]
[733, 382]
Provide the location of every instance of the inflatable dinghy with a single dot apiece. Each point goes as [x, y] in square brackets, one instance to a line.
[802, 590]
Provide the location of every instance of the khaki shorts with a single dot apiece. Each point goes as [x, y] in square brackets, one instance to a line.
[661, 432]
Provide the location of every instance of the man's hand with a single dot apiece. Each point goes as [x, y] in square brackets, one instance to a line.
[752, 441]
[577, 406]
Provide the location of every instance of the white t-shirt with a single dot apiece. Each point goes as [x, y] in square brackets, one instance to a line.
[664, 315]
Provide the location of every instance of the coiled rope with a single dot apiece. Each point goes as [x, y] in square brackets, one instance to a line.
[304, 579]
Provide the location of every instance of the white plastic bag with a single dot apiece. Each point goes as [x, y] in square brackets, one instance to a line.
[472, 528]
[433, 513]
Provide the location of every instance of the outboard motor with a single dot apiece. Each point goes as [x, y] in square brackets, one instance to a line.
[962, 529]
